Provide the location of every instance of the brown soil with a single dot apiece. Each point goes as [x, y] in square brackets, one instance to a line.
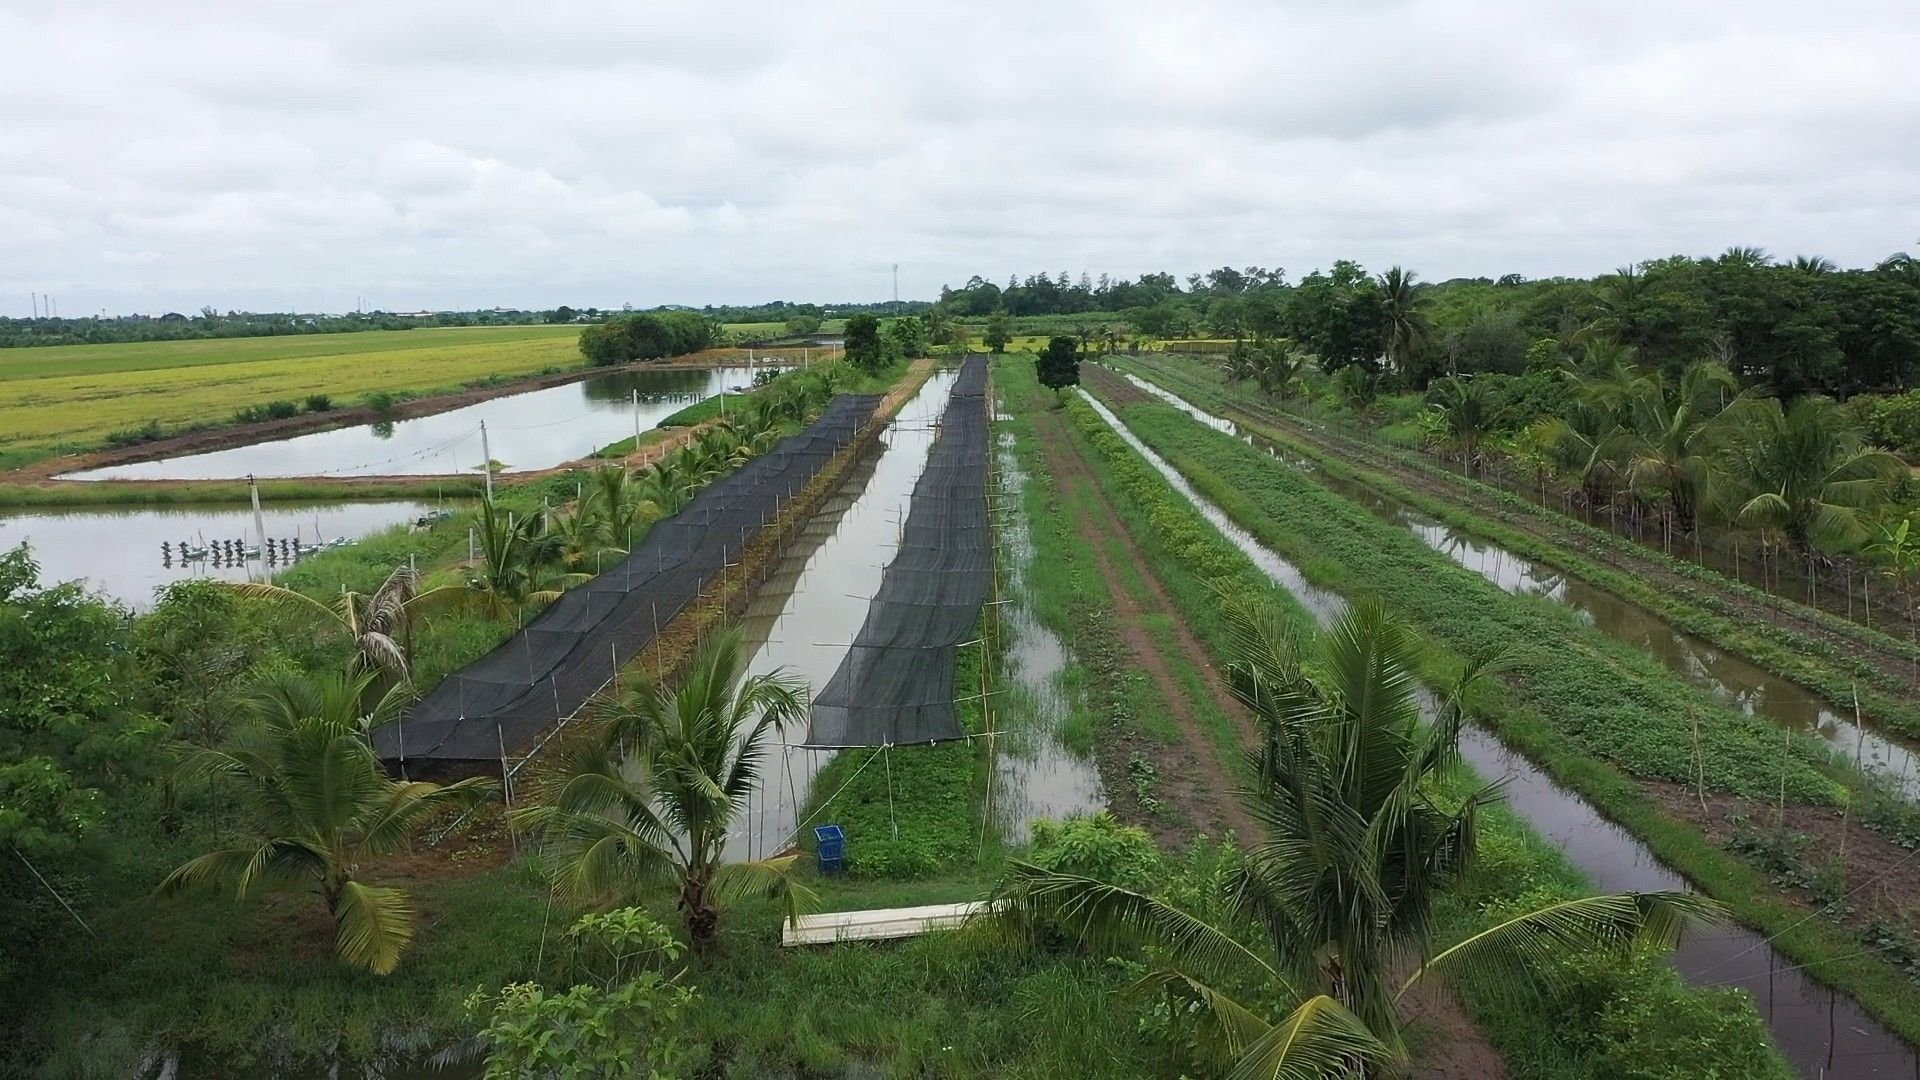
[1886, 874]
[1191, 779]
[194, 442]
[1444, 1041]
[1624, 556]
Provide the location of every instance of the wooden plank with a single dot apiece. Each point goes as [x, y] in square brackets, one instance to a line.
[878, 924]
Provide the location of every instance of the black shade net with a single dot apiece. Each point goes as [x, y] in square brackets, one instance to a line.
[896, 683]
[491, 708]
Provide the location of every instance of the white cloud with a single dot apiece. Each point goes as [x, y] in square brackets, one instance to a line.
[591, 151]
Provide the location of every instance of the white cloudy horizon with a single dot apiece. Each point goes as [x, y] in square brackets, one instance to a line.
[298, 155]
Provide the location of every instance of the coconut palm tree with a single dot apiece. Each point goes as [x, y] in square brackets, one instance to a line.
[1674, 434]
[1469, 411]
[1407, 326]
[516, 562]
[378, 623]
[616, 500]
[1334, 903]
[1277, 366]
[320, 807]
[1240, 363]
[1813, 264]
[616, 825]
[1803, 469]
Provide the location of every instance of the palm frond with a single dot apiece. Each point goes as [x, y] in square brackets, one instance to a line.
[1318, 1040]
[374, 925]
[1103, 917]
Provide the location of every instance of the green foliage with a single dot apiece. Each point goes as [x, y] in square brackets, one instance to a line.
[999, 332]
[628, 1021]
[802, 325]
[319, 403]
[1097, 845]
[907, 337]
[147, 432]
[272, 410]
[69, 730]
[864, 349]
[646, 336]
[380, 401]
[1058, 367]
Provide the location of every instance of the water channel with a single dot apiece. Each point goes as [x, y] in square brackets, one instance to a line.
[1740, 684]
[538, 429]
[1821, 1033]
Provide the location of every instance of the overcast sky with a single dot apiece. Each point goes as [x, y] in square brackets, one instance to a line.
[277, 154]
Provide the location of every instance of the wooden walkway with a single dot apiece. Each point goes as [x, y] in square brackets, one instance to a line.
[879, 924]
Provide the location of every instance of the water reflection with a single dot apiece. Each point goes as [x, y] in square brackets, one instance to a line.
[535, 430]
[127, 554]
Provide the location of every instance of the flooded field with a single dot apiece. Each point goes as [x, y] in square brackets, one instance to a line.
[535, 430]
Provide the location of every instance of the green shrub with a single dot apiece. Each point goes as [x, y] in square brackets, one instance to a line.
[380, 401]
[319, 403]
[1097, 845]
[280, 410]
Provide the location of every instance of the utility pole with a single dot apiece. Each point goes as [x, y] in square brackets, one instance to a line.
[636, 421]
[259, 528]
[486, 456]
[36, 304]
[896, 288]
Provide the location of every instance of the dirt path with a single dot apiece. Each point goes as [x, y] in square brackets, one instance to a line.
[1191, 778]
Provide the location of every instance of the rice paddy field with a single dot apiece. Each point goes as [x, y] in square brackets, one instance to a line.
[69, 398]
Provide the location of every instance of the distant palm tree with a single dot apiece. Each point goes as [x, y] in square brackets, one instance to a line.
[1675, 434]
[1240, 363]
[1804, 470]
[1469, 411]
[1277, 367]
[616, 825]
[320, 807]
[1335, 901]
[1813, 264]
[1752, 258]
[1407, 325]
[378, 623]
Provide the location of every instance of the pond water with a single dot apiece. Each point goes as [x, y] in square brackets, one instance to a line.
[128, 553]
[1821, 1032]
[535, 430]
[1734, 680]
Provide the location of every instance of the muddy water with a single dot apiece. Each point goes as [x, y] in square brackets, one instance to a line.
[1037, 776]
[535, 430]
[1820, 1032]
[117, 552]
[806, 617]
[1739, 683]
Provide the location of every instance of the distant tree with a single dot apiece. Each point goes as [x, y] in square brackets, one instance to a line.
[1059, 366]
[908, 336]
[999, 332]
[864, 349]
[561, 314]
[801, 325]
[1405, 326]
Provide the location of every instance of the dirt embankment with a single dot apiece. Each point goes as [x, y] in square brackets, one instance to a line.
[224, 438]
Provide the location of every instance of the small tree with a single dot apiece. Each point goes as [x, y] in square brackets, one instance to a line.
[803, 324]
[864, 350]
[999, 332]
[908, 336]
[1059, 366]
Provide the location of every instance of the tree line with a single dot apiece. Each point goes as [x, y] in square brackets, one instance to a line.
[1794, 326]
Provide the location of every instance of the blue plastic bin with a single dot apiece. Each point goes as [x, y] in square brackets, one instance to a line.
[830, 845]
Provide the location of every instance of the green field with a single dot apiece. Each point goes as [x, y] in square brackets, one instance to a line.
[67, 398]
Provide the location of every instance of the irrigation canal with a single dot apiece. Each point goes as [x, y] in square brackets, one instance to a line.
[1822, 1033]
[1739, 683]
[535, 430]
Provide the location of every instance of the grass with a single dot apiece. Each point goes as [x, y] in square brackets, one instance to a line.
[71, 397]
[210, 492]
